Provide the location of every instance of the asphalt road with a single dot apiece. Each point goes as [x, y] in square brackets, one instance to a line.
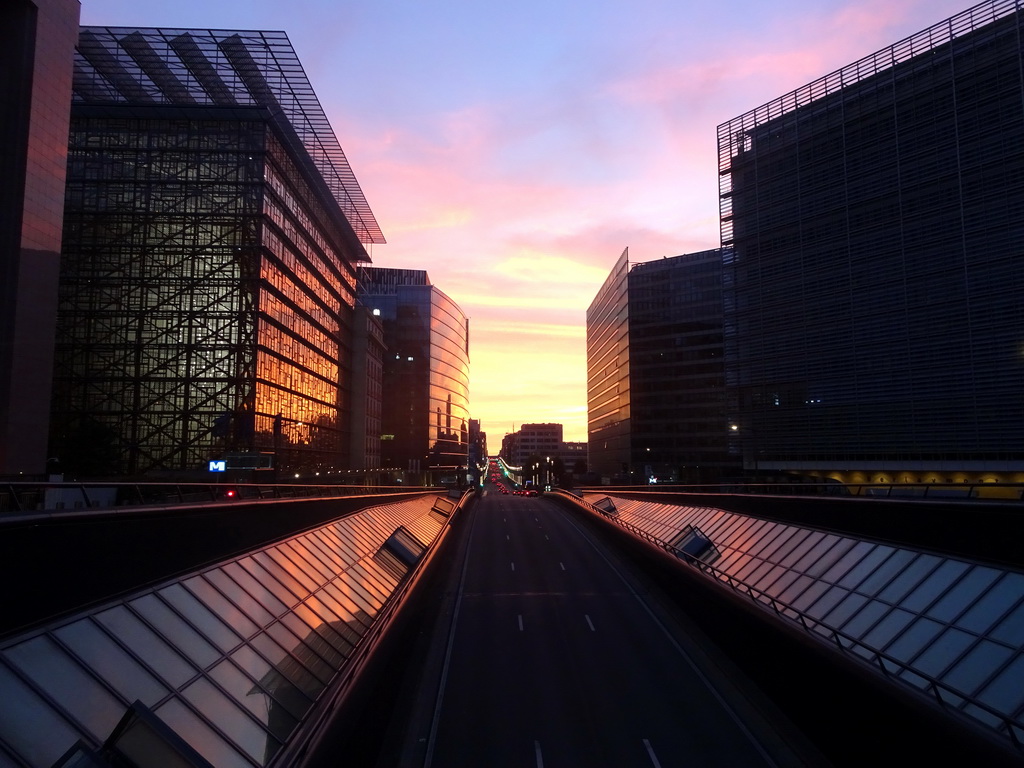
[556, 656]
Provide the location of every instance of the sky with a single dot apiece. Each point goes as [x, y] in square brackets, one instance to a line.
[514, 150]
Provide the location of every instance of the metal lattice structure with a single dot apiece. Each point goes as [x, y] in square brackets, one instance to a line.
[734, 136]
[225, 69]
[212, 229]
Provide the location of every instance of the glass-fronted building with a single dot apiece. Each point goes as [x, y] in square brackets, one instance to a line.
[656, 380]
[425, 417]
[212, 226]
[871, 221]
[37, 41]
[608, 406]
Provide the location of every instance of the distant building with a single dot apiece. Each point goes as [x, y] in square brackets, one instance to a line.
[539, 448]
[211, 231]
[477, 449]
[656, 377]
[544, 440]
[510, 448]
[871, 223]
[37, 43]
[425, 420]
[608, 398]
[574, 452]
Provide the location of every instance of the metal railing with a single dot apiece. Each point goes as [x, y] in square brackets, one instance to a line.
[926, 491]
[29, 497]
[946, 696]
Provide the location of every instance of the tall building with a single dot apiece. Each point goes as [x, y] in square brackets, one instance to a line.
[425, 420]
[656, 379]
[871, 222]
[37, 42]
[212, 227]
[608, 401]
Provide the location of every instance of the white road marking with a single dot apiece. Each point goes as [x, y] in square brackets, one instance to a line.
[540, 757]
[520, 622]
[513, 566]
[589, 623]
[563, 566]
[650, 754]
[507, 538]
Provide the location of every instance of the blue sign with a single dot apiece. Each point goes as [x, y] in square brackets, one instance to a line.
[218, 466]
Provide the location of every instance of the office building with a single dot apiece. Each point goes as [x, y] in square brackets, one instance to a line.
[425, 419]
[543, 440]
[37, 42]
[541, 453]
[212, 227]
[608, 402]
[656, 381]
[870, 222]
[367, 388]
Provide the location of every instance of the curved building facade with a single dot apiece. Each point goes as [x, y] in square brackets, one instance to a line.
[425, 418]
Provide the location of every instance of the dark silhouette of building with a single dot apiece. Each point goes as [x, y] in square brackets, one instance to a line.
[425, 410]
[212, 228]
[37, 40]
[367, 388]
[656, 378]
[871, 222]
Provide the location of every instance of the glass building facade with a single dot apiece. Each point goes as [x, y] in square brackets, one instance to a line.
[212, 226]
[608, 401]
[945, 625]
[871, 221]
[37, 42]
[425, 414]
[235, 659]
[677, 379]
[656, 380]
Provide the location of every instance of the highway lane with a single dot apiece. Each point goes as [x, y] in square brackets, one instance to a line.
[556, 659]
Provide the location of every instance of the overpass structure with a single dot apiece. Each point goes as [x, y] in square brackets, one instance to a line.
[598, 629]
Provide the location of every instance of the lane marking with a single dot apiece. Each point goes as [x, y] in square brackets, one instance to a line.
[507, 538]
[546, 537]
[563, 566]
[725, 705]
[520, 622]
[513, 566]
[650, 754]
[589, 622]
[536, 752]
[445, 668]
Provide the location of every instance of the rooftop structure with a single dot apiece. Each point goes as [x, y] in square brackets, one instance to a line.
[211, 233]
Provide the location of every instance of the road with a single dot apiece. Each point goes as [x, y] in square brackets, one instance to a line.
[556, 657]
